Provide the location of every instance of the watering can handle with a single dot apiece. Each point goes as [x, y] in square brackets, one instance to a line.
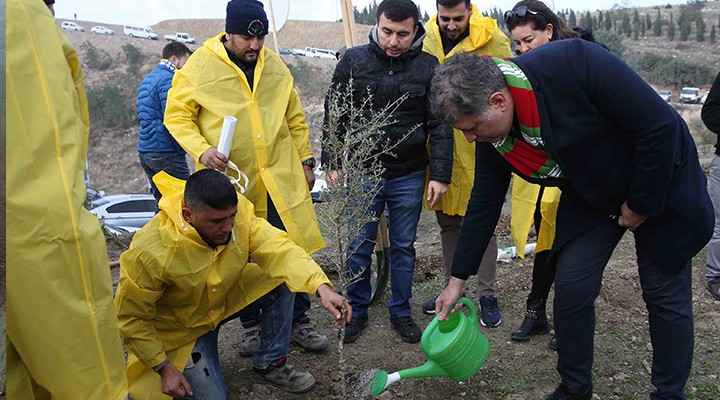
[470, 306]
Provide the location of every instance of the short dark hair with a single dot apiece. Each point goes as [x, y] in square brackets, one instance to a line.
[451, 3]
[399, 10]
[176, 49]
[209, 188]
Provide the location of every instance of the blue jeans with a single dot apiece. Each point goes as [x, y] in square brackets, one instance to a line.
[203, 368]
[403, 198]
[302, 300]
[174, 164]
[667, 296]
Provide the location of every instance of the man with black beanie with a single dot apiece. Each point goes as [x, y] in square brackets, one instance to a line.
[232, 74]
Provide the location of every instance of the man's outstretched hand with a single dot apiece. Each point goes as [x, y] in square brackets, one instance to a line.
[334, 303]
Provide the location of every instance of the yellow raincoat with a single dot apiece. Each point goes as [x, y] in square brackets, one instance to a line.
[174, 287]
[524, 199]
[271, 136]
[63, 340]
[485, 38]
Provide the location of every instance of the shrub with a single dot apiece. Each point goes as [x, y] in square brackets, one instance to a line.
[310, 81]
[612, 40]
[667, 70]
[108, 107]
[135, 58]
[95, 58]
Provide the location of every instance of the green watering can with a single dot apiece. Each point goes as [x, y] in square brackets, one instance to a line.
[455, 348]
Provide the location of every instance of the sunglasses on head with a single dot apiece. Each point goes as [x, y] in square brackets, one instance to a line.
[518, 13]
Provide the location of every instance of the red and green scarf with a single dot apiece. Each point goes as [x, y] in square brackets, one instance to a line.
[528, 155]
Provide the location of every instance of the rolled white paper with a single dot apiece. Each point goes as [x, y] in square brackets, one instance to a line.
[226, 135]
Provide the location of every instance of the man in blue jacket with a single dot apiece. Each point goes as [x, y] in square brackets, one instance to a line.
[158, 149]
[571, 114]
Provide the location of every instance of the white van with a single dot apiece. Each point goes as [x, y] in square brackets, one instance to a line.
[319, 53]
[141, 32]
[71, 26]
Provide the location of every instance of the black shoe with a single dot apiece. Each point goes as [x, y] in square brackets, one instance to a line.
[713, 286]
[407, 328]
[535, 322]
[354, 328]
[552, 345]
[563, 393]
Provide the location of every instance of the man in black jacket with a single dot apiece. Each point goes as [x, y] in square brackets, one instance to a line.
[390, 66]
[571, 114]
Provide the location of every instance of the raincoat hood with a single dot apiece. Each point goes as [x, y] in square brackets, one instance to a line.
[485, 37]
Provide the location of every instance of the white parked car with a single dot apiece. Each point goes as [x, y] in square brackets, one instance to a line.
[102, 30]
[665, 95]
[124, 212]
[181, 37]
[690, 95]
[140, 32]
[319, 53]
[71, 26]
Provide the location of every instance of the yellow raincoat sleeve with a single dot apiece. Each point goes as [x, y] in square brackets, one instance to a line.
[279, 257]
[299, 129]
[137, 293]
[181, 113]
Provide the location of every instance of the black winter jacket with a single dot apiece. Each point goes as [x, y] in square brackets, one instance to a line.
[388, 78]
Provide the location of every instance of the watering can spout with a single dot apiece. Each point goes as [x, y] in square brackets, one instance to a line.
[427, 370]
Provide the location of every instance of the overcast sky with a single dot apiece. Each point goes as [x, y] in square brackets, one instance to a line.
[150, 12]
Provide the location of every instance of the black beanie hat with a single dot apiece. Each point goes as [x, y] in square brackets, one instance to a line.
[246, 17]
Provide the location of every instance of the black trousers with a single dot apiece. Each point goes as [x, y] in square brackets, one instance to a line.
[667, 295]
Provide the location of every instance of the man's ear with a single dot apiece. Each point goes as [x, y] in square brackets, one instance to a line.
[187, 215]
[499, 100]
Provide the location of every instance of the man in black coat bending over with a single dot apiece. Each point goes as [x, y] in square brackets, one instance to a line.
[571, 114]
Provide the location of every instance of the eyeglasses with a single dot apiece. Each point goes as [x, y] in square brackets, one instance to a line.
[518, 13]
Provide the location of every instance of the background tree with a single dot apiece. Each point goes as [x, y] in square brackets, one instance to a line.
[712, 34]
[626, 27]
[700, 29]
[684, 27]
[572, 20]
[601, 20]
[657, 26]
[609, 21]
[648, 22]
[671, 29]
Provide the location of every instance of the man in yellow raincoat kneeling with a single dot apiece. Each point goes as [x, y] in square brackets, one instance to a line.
[187, 272]
[234, 74]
